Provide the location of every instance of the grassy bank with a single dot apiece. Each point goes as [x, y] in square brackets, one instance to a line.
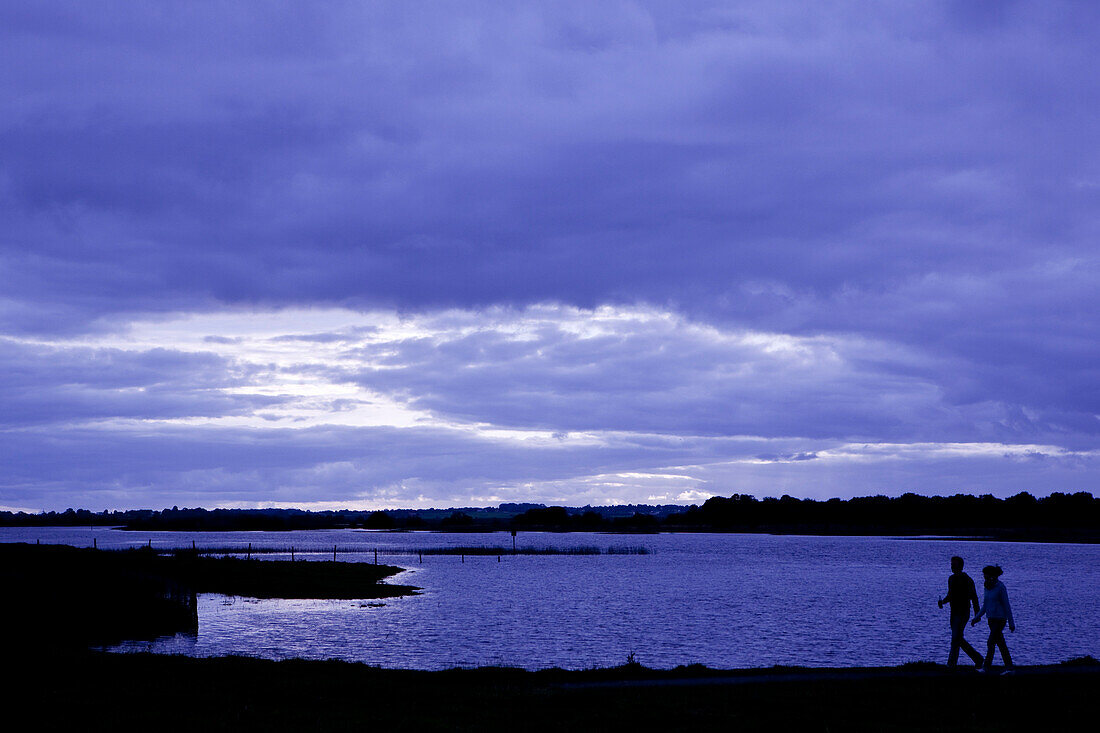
[56, 595]
[128, 692]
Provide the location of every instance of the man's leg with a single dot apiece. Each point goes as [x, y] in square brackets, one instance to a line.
[958, 627]
[956, 641]
[970, 651]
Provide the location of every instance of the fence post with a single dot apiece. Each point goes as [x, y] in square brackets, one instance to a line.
[421, 553]
[334, 553]
[249, 551]
[292, 553]
[375, 555]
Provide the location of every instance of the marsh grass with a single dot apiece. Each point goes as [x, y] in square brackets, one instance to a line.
[473, 551]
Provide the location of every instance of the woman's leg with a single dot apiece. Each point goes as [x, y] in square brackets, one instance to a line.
[990, 645]
[997, 639]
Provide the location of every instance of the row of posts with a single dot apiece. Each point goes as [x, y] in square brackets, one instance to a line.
[248, 552]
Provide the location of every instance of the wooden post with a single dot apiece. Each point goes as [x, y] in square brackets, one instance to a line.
[513, 542]
[421, 553]
[150, 545]
[192, 544]
[464, 557]
[292, 553]
[375, 555]
[249, 551]
[334, 553]
[94, 545]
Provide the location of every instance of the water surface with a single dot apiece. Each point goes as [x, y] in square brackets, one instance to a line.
[723, 600]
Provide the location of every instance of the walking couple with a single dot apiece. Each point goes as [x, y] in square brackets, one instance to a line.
[960, 596]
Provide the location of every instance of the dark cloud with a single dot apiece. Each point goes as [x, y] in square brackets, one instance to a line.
[641, 372]
[51, 385]
[170, 158]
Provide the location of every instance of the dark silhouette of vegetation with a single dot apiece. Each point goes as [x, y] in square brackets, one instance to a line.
[60, 596]
[457, 521]
[68, 596]
[249, 549]
[1059, 517]
[149, 692]
[498, 551]
[379, 520]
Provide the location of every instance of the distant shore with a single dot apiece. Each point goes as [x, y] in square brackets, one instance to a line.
[1058, 517]
[140, 691]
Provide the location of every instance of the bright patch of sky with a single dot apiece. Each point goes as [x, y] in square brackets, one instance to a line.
[611, 405]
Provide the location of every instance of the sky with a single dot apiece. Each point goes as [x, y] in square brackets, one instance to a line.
[357, 255]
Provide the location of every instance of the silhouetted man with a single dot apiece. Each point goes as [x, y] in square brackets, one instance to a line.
[961, 595]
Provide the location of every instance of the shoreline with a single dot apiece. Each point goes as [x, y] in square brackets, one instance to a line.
[1038, 535]
[132, 691]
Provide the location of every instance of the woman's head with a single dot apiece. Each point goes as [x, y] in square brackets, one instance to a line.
[991, 573]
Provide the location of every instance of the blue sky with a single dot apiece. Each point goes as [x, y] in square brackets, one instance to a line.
[393, 254]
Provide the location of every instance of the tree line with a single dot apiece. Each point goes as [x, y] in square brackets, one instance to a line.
[1059, 515]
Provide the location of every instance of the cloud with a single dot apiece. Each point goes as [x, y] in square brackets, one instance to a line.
[815, 224]
[546, 403]
[387, 156]
[151, 466]
[54, 385]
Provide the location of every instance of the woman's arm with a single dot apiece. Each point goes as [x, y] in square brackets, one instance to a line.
[1008, 609]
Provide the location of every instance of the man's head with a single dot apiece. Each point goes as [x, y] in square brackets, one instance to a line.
[956, 564]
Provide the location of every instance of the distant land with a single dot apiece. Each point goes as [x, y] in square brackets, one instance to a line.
[1057, 517]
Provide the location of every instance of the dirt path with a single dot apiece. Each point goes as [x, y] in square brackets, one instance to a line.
[812, 675]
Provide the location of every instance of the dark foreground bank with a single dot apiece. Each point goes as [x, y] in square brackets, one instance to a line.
[68, 597]
[131, 692]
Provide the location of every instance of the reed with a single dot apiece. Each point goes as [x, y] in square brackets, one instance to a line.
[398, 551]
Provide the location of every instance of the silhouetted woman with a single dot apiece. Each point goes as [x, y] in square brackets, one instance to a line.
[997, 611]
